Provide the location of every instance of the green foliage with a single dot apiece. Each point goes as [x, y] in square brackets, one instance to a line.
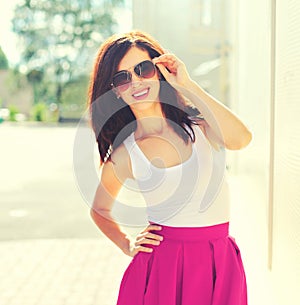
[35, 77]
[13, 111]
[39, 112]
[75, 92]
[15, 80]
[3, 61]
[59, 37]
[74, 98]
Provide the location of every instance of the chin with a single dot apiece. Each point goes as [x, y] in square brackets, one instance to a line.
[143, 105]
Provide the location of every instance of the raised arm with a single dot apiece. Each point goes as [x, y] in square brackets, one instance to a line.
[222, 123]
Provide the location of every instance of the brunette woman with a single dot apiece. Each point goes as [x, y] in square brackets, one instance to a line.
[155, 125]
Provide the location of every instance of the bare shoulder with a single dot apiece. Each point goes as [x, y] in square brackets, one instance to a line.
[120, 162]
[113, 173]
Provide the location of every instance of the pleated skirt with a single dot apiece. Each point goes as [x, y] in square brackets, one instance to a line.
[191, 266]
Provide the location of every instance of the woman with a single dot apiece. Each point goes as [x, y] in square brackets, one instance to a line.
[153, 124]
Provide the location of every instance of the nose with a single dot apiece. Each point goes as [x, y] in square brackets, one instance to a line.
[136, 80]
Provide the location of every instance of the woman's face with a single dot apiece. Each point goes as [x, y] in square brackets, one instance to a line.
[141, 91]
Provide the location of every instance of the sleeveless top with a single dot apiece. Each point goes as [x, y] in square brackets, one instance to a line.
[194, 193]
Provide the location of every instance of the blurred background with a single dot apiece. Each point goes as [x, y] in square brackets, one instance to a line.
[245, 53]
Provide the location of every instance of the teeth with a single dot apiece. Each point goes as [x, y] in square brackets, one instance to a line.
[140, 93]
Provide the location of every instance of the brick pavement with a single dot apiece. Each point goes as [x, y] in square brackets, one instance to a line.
[60, 272]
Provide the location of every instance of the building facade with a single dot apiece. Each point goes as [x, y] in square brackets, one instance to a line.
[196, 31]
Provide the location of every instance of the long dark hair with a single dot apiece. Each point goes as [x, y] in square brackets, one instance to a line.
[111, 118]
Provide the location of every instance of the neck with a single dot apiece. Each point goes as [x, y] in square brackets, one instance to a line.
[150, 119]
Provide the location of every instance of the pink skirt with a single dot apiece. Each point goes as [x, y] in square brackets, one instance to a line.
[191, 266]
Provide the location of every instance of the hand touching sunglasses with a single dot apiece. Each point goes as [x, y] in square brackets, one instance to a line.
[122, 79]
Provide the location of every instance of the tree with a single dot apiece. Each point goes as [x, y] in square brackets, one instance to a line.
[3, 61]
[59, 36]
[35, 78]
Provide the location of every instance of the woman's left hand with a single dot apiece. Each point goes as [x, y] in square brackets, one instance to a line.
[173, 69]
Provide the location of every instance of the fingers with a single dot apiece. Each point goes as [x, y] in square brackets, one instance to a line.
[172, 68]
[169, 60]
[164, 71]
[168, 66]
[143, 249]
[147, 238]
[152, 236]
[150, 239]
[145, 241]
[151, 228]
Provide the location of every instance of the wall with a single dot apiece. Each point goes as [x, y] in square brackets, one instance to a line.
[194, 31]
[265, 72]
[250, 83]
[286, 191]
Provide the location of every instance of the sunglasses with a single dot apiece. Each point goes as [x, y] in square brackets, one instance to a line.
[122, 79]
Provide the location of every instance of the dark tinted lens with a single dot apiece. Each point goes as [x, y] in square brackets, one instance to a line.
[145, 69]
[121, 78]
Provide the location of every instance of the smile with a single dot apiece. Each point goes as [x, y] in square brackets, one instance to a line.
[141, 94]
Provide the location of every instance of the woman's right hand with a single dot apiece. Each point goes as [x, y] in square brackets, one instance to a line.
[145, 238]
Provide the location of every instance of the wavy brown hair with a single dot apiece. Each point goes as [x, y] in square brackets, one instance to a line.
[111, 118]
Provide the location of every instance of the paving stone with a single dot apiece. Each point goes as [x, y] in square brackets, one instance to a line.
[60, 272]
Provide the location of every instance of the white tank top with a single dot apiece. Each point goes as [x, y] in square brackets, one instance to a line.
[194, 193]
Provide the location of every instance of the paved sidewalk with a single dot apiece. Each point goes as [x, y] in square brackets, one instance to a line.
[88, 271]
[60, 272]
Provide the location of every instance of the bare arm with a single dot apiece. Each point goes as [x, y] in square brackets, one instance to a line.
[106, 193]
[112, 178]
[223, 124]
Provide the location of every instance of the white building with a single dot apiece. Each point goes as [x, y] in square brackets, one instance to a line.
[196, 31]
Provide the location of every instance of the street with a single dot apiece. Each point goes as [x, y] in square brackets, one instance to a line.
[39, 195]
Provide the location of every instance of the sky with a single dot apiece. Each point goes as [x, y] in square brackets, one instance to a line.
[9, 41]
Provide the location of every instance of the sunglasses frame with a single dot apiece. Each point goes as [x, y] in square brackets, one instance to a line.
[129, 74]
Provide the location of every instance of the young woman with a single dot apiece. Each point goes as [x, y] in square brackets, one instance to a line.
[155, 125]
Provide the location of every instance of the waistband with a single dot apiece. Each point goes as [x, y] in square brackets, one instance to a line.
[194, 233]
